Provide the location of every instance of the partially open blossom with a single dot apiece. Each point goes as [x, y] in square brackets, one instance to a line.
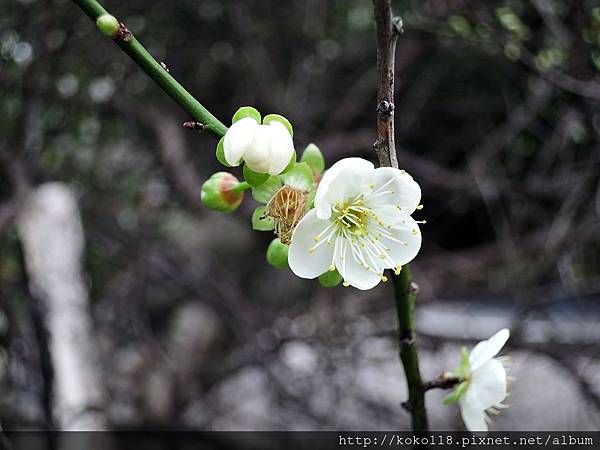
[484, 382]
[219, 193]
[361, 224]
[264, 148]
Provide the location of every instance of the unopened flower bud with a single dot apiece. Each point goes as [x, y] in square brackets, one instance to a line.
[108, 25]
[218, 192]
[330, 279]
[314, 158]
[277, 254]
[265, 148]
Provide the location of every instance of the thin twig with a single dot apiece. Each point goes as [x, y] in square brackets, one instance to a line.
[441, 382]
[159, 74]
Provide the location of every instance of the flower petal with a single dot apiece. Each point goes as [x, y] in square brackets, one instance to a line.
[486, 350]
[354, 272]
[258, 154]
[400, 187]
[344, 179]
[282, 147]
[472, 415]
[405, 240]
[488, 384]
[388, 214]
[237, 139]
[302, 262]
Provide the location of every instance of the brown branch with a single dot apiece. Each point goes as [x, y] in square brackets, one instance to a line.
[388, 29]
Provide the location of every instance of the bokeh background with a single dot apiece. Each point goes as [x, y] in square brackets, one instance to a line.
[497, 118]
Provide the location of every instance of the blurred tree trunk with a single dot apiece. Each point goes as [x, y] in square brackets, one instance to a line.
[49, 227]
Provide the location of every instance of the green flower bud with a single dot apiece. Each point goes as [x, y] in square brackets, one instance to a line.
[330, 279]
[218, 192]
[108, 25]
[314, 158]
[277, 254]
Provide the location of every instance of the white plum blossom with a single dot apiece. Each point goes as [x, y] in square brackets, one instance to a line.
[360, 225]
[264, 148]
[484, 385]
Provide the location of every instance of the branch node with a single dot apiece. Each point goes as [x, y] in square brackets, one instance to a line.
[414, 288]
[193, 125]
[407, 406]
[407, 337]
[123, 34]
[385, 108]
[397, 25]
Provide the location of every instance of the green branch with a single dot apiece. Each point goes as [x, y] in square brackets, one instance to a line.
[405, 296]
[136, 51]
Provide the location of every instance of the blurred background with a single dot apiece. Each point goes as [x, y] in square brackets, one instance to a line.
[126, 304]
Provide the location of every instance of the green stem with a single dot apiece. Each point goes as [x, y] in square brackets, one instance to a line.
[242, 186]
[159, 74]
[405, 296]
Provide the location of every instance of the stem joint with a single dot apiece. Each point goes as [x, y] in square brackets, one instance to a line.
[123, 34]
[385, 108]
[397, 25]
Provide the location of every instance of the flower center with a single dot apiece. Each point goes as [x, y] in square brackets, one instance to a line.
[352, 217]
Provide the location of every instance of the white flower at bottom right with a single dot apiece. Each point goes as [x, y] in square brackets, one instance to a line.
[484, 382]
